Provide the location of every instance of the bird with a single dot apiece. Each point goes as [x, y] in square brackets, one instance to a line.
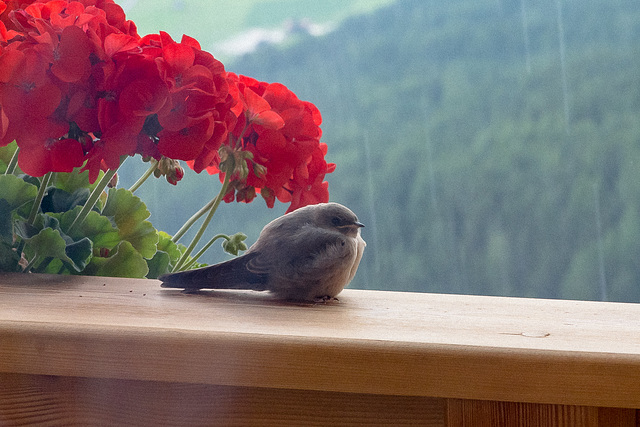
[309, 255]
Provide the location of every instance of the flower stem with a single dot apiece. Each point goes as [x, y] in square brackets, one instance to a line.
[205, 224]
[31, 263]
[94, 196]
[13, 163]
[187, 225]
[143, 178]
[32, 216]
[38, 201]
[204, 249]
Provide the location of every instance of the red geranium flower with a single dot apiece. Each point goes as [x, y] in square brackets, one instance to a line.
[282, 134]
[28, 99]
[194, 119]
[76, 77]
[186, 143]
[54, 156]
[71, 55]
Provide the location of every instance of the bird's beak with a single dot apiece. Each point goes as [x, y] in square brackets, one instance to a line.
[358, 224]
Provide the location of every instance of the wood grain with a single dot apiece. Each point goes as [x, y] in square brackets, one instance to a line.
[489, 414]
[379, 343]
[69, 401]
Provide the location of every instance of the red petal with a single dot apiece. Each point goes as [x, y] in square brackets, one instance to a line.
[66, 155]
[115, 43]
[10, 61]
[187, 143]
[178, 56]
[73, 52]
[143, 97]
[4, 125]
[60, 156]
[190, 41]
[269, 119]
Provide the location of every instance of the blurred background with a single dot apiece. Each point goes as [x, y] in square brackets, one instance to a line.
[490, 146]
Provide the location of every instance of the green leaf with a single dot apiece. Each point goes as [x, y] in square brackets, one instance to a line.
[72, 181]
[173, 250]
[125, 262]
[165, 244]
[96, 227]
[56, 266]
[80, 252]
[58, 200]
[9, 258]
[29, 179]
[129, 214]
[15, 191]
[6, 153]
[158, 265]
[50, 243]
[6, 226]
[50, 222]
[25, 230]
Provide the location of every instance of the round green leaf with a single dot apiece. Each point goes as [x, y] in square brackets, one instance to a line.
[49, 243]
[125, 262]
[15, 191]
[129, 214]
[96, 227]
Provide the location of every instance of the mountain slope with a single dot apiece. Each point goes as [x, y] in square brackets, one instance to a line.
[491, 145]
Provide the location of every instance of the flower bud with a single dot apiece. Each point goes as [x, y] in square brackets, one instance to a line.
[113, 182]
[171, 170]
[243, 170]
[177, 175]
[259, 170]
[227, 160]
[246, 194]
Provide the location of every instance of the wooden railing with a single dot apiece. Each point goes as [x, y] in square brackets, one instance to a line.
[108, 351]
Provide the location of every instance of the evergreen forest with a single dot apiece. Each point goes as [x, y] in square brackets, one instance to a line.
[490, 146]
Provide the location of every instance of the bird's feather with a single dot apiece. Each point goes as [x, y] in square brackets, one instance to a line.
[232, 274]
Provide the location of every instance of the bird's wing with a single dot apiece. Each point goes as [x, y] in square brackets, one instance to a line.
[232, 274]
[301, 256]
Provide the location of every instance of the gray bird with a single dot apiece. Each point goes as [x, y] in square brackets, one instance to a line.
[310, 254]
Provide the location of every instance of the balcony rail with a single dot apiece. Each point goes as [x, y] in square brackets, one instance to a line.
[110, 351]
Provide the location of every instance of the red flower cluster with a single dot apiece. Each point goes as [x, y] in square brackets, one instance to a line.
[55, 60]
[79, 86]
[282, 136]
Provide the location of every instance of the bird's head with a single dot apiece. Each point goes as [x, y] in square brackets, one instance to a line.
[337, 217]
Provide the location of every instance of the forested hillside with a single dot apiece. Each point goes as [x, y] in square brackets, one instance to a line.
[491, 146]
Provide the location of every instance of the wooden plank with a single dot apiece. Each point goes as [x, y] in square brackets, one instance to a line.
[479, 413]
[618, 417]
[406, 344]
[63, 401]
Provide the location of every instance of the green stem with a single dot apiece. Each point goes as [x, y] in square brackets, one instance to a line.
[94, 196]
[196, 216]
[44, 264]
[38, 201]
[34, 212]
[205, 224]
[143, 178]
[13, 163]
[187, 225]
[204, 249]
[31, 263]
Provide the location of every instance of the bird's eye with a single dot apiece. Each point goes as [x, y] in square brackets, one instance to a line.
[336, 221]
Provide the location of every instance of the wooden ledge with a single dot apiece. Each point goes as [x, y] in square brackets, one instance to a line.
[370, 343]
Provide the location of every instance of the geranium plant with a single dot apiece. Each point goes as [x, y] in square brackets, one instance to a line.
[81, 91]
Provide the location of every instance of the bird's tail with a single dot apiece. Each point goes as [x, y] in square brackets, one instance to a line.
[232, 274]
